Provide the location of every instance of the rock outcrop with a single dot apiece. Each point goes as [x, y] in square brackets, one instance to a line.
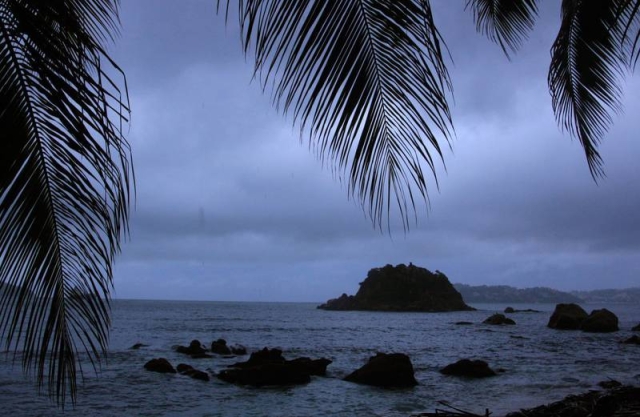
[636, 328]
[469, 368]
[567, 317]
[510, 310]
[385, 370]
[268, 367]
[600, 321]
[192, 372]
[401, 288]
[160, 365]
[498, 319]
[220, 347]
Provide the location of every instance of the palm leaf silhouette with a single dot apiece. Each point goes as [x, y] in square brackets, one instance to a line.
[506, 22]
[366, 80]
[587, 64]
[64, 184]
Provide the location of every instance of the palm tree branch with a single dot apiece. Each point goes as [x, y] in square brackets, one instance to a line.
[506, 22]
[366, 82]
[64, 185]
[584, 77]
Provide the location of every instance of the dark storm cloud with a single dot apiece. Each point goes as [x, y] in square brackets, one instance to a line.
[231, 206]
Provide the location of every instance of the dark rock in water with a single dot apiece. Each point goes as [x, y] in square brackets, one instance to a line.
[619, 401]
[600, 321]
[510, 310]
[220, 347]
[160, 365]
[238, 350]
[194, 348]
[469, 368]
[609, 384]
[401, 288]
[265, 375]
[385, 370]
[138, 346]
[567, 317]
[194, 373]
[636, 328]
[311, 366]
[269, 367]
[498, 319]
[463, 323]
[633, 340]
[262, 357]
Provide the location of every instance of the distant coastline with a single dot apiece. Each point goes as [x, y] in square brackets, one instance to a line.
[508, 294]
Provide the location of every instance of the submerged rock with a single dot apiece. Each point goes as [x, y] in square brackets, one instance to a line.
[138, 346]
[509, 310]
[463, 323]
[194, 373]
[401, 288]
[567, 317]
[385, 370]
[238, 350]
[469, 368]
[498, 319]
[600, 321]
[160, 365]
[633, 340]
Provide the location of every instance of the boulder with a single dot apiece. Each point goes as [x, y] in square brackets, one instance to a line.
[633, 340]
[194, 373]
[262, 357]
[194, 349]
[269, 367]
[509, 310]
[265, 375]
[311, 366]
[498, 319]
[138, 346]
[469, 368]
[385, 370]
[401, 288]
[600, 321]
[220, 347]
[567, 317]
[160, 365]
[636, 328]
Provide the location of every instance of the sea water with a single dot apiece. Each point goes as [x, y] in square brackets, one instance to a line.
[540, 364]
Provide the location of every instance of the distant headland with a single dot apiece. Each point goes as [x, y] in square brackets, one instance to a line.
[507, 294]
[401, 288]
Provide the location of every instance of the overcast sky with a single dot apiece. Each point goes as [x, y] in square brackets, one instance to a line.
[232, 206]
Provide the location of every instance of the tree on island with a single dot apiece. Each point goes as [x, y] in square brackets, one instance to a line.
[366, 82]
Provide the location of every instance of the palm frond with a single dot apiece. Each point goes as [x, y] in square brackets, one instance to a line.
[65, 173]
[366, 81]
[506, 22]
[627, 27]
[584, 78]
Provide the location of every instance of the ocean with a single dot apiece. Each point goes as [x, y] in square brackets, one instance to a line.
[540, 364]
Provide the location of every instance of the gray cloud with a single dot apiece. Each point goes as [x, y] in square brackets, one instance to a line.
[231, 206]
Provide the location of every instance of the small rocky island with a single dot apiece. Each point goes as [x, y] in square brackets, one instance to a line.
[401, 288]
